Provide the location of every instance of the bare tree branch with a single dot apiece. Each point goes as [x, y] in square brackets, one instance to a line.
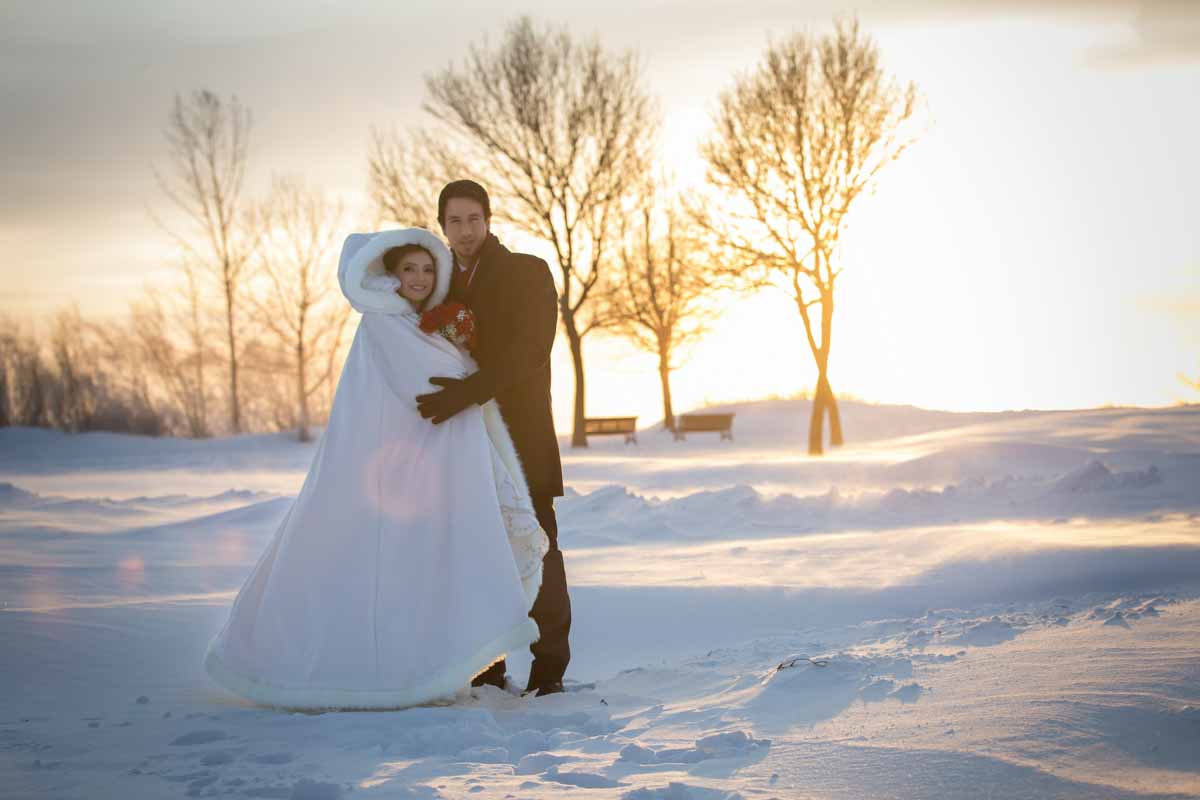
[297, 303]
[207, 141]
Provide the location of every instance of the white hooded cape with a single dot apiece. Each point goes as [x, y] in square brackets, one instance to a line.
[411, 557]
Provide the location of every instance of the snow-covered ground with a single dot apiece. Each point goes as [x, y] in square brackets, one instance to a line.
[987, 605]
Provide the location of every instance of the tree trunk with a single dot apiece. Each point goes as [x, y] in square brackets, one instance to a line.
[816, 422]
[36, 415]
[200, 428]
[302, 396]
[664, 375]
[5, 416]
[235, 409]
[198, 423]
[201, 431]
[578, 430]
[824, 390]
[835, 416]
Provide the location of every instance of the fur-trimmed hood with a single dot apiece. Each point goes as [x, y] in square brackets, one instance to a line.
[367, 284]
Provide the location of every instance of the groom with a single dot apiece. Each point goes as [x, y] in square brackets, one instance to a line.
[516, 309]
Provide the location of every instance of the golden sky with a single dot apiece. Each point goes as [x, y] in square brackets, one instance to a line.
[1036, 248]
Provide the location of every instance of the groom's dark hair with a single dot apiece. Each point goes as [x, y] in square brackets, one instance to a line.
[464, 188]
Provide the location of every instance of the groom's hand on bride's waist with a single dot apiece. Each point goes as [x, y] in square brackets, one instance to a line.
[455, 396]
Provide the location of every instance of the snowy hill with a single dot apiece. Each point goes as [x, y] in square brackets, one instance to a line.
[949, 606]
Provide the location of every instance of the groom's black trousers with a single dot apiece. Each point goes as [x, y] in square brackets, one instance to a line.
[552, 608]
[551, 611]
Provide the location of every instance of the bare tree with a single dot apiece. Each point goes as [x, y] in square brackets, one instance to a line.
[6, 415]
[77, 390]
[123, 369]
[128, 394]
[194, 387]
[207, 140]
[30, 379]
[797, 141]
[34, 379]
[657, 295]
[10, 339]
[9, 342]
[169, 333]
[559, 131]
[83, 376]
[298, 302]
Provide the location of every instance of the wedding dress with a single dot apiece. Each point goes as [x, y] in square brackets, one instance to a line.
[410, 559]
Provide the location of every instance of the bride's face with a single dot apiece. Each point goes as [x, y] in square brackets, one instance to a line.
[417, 276]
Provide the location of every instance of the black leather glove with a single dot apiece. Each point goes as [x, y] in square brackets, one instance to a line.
[441, 406]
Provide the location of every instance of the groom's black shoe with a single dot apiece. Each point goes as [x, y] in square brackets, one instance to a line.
[492, 676]
[552, 687]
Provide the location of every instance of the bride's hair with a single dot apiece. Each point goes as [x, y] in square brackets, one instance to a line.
[392, 257]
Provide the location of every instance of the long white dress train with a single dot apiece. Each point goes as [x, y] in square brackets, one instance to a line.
[410, 559]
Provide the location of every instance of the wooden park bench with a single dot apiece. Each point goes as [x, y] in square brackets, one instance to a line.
[610, 426]
[704, 423]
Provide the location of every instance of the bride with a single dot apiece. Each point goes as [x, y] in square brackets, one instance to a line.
[410, 559]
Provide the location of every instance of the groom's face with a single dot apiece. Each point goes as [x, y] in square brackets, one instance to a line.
[466, 226]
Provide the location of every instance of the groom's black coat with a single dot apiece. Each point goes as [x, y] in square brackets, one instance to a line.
[516, 314]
